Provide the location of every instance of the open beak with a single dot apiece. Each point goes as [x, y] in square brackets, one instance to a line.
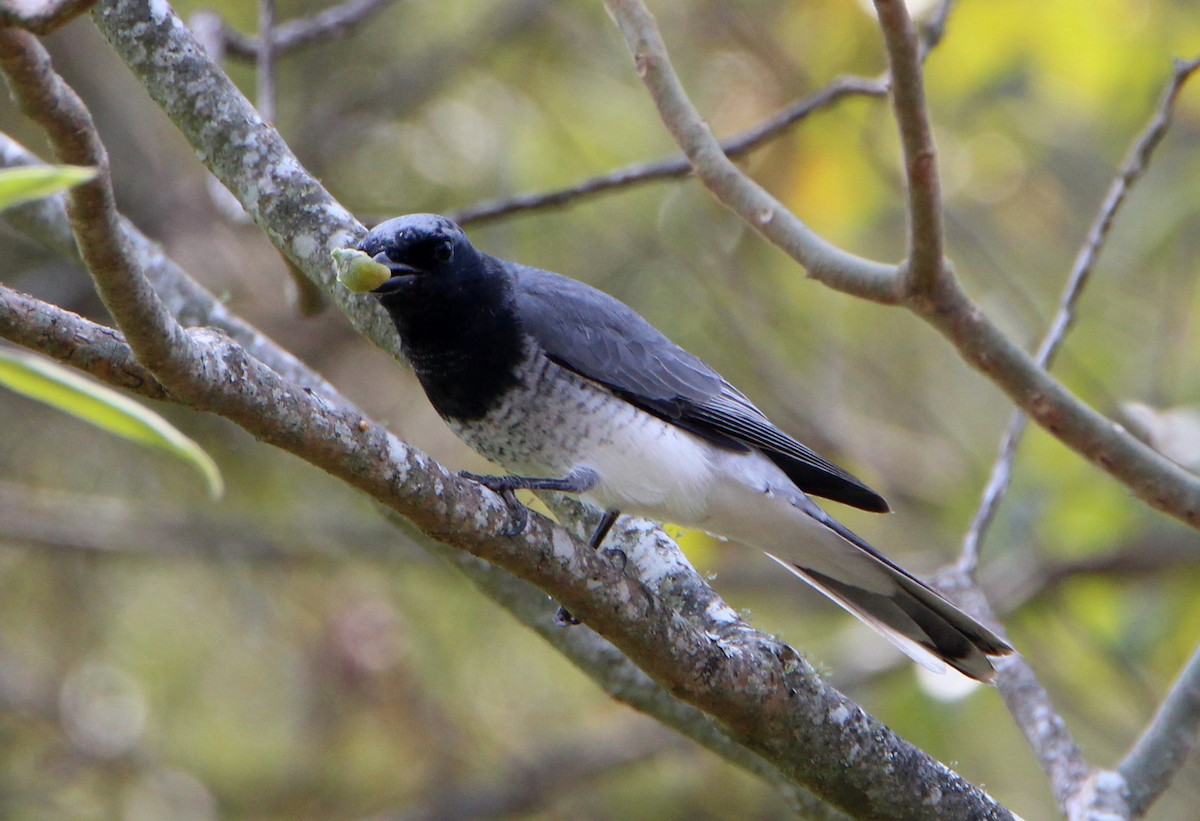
[401, 274]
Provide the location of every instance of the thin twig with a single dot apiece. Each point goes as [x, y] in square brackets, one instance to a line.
[677, 166]
[264, 65]
[1023, 694]
[925, 235]
[1026, 698]
[1166, 743]
[293, 35]
[934, 27]
[1134, 165]
[745, 197]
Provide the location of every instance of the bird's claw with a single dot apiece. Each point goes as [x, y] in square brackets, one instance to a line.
[518, 514]
[616, 556]
[565, 618]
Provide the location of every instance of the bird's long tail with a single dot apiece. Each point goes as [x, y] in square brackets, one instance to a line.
[912, 615]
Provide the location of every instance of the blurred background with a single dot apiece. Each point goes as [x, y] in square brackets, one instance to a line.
[286, 653]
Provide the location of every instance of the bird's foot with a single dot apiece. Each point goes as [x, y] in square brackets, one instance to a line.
[564, 617]
[616, 556]
[518, 514]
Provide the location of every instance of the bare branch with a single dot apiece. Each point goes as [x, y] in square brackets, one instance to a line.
[1166, 744]
[527, 787]
[1156, 480]
[1024, 695]
[677, 166]
[766, 693]
[1135, 164]
[925, 255]
[151, 331]
[41, 16]
[102, 352]
[265, 63]
[293, 35]
[753, 203]
[938, 298]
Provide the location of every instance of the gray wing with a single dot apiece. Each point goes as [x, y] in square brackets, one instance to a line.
[602, 339]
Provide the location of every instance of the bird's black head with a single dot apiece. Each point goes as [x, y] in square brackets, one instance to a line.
[423, 251]
[453, 308]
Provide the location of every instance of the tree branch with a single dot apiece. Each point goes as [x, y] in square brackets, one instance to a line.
[46, 222]
[1166, 744]
[1134, 165]
[41, 16]
[103, 353]
[293, 35]
[722, 177]
[677, 166]
[1025, 697]
[759, 689]
[1156, 480]
[937, 297]
[925, 263]
[155, 336]
[94, 349]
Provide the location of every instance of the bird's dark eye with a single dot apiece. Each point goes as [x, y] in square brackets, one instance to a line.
[443, 251]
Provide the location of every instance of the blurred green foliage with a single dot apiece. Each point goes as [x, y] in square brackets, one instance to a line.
[287, 654]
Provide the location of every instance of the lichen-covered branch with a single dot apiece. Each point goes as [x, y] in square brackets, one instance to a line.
[73, 340]
[41, 16]
[760, 690]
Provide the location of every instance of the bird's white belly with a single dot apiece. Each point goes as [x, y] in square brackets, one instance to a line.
[558, 422]
[651, 468]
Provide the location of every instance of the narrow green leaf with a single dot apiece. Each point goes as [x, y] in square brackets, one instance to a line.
[33, 182]
[54, 385]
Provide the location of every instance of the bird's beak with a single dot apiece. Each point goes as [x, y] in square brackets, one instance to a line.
[401, 274]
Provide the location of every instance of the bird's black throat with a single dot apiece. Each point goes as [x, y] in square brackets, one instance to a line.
[462, 338]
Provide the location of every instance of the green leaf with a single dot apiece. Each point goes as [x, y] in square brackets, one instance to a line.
[36, 181]
[54, 385]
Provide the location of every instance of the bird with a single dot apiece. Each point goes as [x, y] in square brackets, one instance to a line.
[569, 389]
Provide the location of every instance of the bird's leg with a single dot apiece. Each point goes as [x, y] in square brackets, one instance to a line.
[564, 617]
[579, 480]
[602, 527]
